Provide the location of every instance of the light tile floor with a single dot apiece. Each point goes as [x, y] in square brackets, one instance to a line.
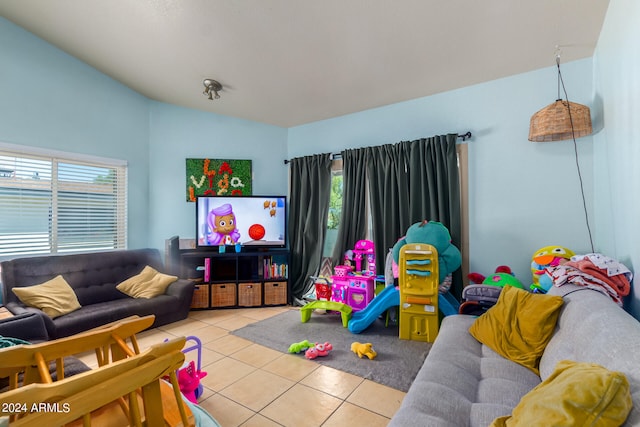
[251, 385]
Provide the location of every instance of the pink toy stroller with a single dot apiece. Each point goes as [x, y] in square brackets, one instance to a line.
[188, 376]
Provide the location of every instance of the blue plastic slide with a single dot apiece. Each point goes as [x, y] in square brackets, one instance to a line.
[448, 304]
[361, 320]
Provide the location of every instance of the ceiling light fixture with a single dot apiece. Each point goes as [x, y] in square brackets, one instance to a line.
[562, 119]
[211, 88]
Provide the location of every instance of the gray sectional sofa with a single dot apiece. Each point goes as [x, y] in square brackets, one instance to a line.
[465, 383]
[94, 277]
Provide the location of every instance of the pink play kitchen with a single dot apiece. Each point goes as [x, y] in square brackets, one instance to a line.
[354, 281]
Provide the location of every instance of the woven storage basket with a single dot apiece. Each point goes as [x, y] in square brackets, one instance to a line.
[249, 294]
[275, 293]
[552, 123]
[200, 296]
[223, 295]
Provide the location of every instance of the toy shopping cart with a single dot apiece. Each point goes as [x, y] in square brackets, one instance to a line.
[323, 288]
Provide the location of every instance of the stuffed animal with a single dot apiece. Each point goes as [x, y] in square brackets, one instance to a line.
[435, 234]
[483, 292]
[549, 256]
[544, 284]
[318, 350]
[298, 347]
[365, 349]
[503, 276]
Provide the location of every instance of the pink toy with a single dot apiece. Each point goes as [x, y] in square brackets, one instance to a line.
[189, 381]
[318, 350]
[342, 270]
[365, 248]
[356, 288]
[188, 376]
[360, 292]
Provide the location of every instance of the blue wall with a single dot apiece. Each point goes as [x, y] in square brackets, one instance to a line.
[51, 100]
[522, 196]
[617, 145]
[179, 133]
[80, 110]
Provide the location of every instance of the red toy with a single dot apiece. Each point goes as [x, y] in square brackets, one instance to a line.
[318, 350]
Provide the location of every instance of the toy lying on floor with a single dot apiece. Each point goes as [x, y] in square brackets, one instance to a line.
[318, 350]
[364, 349]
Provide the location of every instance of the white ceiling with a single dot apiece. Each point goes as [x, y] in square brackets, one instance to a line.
[290, 62]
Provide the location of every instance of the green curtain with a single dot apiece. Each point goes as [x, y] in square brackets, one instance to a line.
[353, 219]
[412, 181]
[389, 195]
[434, 188]
[310, 186]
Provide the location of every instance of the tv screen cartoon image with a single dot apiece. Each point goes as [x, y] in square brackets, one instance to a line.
[248, 220]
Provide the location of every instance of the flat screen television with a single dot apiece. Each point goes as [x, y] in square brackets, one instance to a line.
[253, 221]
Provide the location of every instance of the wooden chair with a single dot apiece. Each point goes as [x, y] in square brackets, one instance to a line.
[84, 399]
[109, 342]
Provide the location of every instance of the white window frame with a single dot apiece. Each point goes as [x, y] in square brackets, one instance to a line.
[89, 210]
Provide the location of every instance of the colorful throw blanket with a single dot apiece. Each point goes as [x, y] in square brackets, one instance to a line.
[594, 271]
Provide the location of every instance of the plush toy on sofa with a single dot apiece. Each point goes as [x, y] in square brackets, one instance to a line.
[549, 256]
[435, 234]
[503, 276]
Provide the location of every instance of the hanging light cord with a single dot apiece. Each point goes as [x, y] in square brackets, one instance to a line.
[575, 149]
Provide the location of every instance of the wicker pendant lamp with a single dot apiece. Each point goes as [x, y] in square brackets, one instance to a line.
[560, 120]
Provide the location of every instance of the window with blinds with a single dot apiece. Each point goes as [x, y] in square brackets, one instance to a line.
[53, 205]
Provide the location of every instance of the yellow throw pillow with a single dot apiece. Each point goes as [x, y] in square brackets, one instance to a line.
[55, 297]
[148, 283]
[145, 275]
[575, 394]
[519, 325]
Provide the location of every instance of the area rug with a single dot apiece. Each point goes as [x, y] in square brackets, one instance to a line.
[396, 365]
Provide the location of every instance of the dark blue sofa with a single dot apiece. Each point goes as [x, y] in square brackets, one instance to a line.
[94, 277]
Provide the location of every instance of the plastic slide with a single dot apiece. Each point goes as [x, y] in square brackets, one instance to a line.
[448, 304]
[361, 320]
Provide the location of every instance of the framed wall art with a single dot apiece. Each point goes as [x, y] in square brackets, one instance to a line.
[218, 177]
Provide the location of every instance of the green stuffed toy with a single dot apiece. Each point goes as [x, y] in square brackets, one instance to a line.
[502, 277]
[298, 347]
[437, 235]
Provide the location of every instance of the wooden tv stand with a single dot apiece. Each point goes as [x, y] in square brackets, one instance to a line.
[249, 278]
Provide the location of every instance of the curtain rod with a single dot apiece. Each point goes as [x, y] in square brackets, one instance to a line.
[334, 156]
[465, 136]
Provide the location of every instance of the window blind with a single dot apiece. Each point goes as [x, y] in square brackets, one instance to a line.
[53, 204]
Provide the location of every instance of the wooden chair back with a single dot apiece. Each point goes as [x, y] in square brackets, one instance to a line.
[84, 396]
[109, 343]
[112, 343]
